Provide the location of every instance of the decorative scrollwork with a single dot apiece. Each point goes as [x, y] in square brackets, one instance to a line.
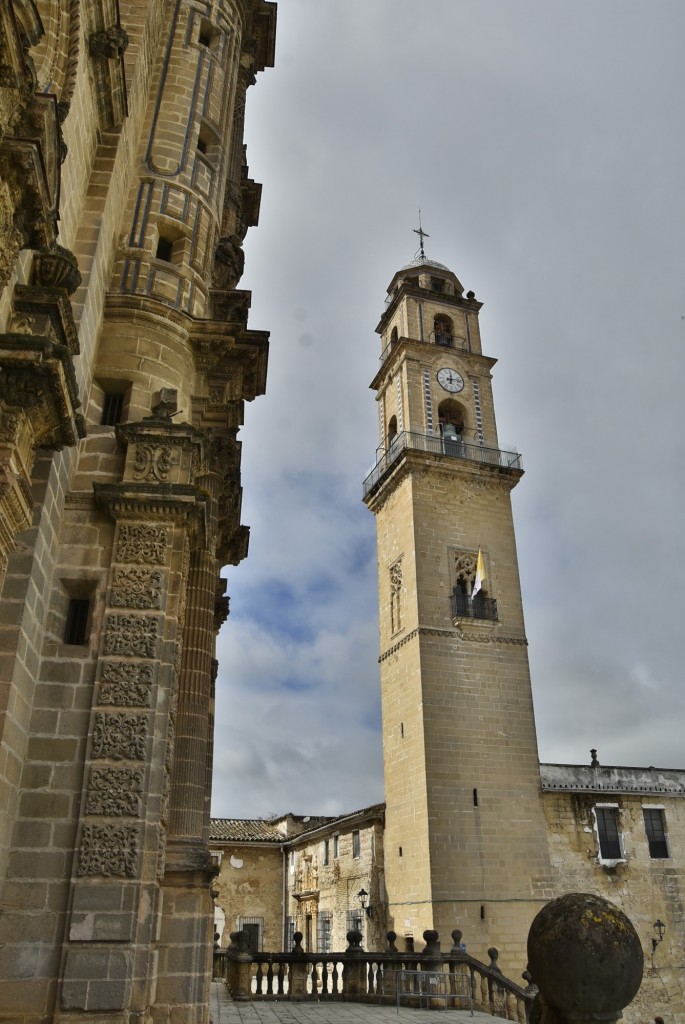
[111, 43]
[139, 543]
[137, 588]
[126, 684]
[109, 850]
[132, 635]
[153, 462]
[119, 736]
[115, 791]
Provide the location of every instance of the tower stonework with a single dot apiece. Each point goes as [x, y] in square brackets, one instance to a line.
[465, 837]
[126, 360]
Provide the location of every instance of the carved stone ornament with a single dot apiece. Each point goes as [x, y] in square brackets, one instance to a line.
[12, 239]
[111, 43]
[139, 543]
[134, 636]
[396, 577]
[153, 462]
[109, 850]
[126, 684]
[115, 791]
[119, 736]
[137, 588]
[229, 263]
[56, 268]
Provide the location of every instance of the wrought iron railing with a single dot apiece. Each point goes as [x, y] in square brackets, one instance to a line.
[437, 445]
[434, 338]
[481, 607]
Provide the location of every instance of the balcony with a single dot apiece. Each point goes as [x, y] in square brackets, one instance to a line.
[481, 607]
[434, 338]
[436, 445]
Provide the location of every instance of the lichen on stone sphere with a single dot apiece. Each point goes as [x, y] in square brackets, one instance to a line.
[585, 955]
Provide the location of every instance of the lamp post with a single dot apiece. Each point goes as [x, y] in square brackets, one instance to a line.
[363, 896]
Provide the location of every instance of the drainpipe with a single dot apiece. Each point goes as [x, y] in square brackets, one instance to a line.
[283, 896]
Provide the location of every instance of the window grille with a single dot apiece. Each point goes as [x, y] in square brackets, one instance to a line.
[655, 827]
[356, 845]
[254, 926]
[326, 851]
[355, 920]
[608, 834]
[336, 845]
[289, 934]
[324, 928]
[112, 409]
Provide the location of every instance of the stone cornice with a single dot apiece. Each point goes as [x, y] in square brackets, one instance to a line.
[176, 503]
[452, 634]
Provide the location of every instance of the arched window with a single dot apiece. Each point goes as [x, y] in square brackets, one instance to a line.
[451, 415]
[443, 330]
[392, 430]
[393, 336]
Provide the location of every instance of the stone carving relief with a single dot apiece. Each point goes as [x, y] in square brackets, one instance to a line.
[132, 635]
[153, 462]
[137, 588]
[111, 43]
[396, 596]
[126, 684]
[115, 791]
[120, 736]
[12, 239]
[109, 850]
[229, 263]
[465, 567]
[139, 543]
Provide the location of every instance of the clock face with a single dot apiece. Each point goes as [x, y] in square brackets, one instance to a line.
[450, 380]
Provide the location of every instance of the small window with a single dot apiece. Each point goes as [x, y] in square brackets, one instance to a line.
[356, 845]
[76, 629]
[292, 862]
[208, 35]
[437, 285]
[655, 827]
[336, 845]
[608, 834]
[112, 409]
[164, 249]
[326, 851]
[289, 933]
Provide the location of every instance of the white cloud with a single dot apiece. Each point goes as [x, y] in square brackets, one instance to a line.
[548, 161]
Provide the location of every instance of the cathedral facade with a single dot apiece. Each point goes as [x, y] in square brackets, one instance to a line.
[125, 361]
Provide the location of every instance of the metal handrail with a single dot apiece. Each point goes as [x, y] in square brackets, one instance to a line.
[443, 340]
[437, 445]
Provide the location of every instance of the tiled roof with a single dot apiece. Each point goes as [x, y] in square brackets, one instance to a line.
[243, 830]
[280, 830]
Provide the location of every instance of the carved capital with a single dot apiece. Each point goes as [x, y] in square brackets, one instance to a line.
[110, 43]
[57, 267]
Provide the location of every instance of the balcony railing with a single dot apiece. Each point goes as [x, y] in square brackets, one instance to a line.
[437, 445]
[443, 340]
[481, 607]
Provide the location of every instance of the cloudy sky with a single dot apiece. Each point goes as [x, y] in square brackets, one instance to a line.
[543, 142]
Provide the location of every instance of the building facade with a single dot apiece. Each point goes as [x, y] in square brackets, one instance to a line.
[302, 874]
[126, 360]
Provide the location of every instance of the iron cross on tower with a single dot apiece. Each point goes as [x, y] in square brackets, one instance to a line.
[422, 234]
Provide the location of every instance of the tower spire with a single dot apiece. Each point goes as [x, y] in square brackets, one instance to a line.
[422, 234]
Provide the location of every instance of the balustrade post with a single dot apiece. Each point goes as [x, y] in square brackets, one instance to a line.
[231, 951]
[431, 960]
[390, 972]
[242, 959]
[298, 970]
[586, 958]
[354, 972]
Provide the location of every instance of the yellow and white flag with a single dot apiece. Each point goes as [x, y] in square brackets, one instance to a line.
[480, 575]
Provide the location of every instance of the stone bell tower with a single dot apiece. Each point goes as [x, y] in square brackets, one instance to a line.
[465, 840]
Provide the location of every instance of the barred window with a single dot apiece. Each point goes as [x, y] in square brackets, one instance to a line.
[355, 920]
[325, 856]
[356, 845]
[655, 827]
[289, 934]
[324, 928]
[608, 833]
[254, 926]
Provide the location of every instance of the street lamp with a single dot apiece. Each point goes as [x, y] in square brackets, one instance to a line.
[363, 896]
[659, 928]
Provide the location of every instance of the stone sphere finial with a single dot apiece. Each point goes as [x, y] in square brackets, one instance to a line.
[456, 940]
[585, 957]
[430, 937]
[493, 953]
[392, 938]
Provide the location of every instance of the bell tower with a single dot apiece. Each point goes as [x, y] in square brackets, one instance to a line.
[465, 840]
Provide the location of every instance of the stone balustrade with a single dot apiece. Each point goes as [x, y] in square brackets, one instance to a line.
[585, 967]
